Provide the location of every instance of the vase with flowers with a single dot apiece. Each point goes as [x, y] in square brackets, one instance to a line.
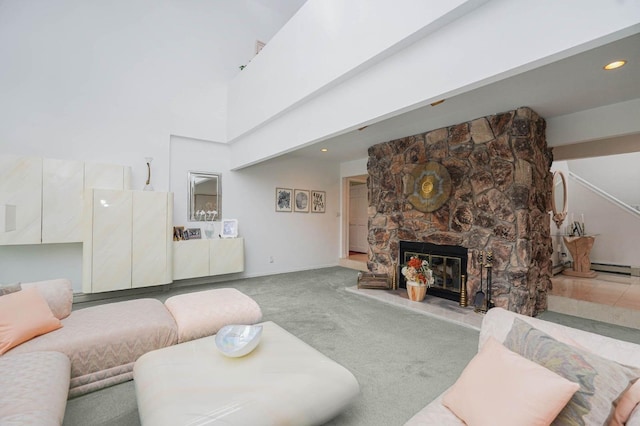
[418, 276]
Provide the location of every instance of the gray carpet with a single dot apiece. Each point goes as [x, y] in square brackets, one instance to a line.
[401, 359]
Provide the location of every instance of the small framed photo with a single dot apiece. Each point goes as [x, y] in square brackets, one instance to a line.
[192, 234]
[178, 233]
[283, 199]
[229, 228]
[301, 201]
[318, 201]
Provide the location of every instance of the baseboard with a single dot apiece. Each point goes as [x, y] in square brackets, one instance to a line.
[213, 279]
[633, 271]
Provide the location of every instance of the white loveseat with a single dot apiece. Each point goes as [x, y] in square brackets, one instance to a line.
[498, 324]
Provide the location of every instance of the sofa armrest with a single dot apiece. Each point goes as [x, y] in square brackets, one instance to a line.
[58, 294]
[498, 322]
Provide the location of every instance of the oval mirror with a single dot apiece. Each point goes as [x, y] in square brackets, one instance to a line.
[559, 198]
[205, 196]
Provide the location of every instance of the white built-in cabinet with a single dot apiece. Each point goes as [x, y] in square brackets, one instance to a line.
[48, 196]
[128, 240]
[21, 186]
[201, 258]
[62, 192]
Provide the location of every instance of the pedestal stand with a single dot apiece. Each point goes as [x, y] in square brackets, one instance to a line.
[580, 247]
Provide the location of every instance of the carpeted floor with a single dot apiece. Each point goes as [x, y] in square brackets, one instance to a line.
[402, 359]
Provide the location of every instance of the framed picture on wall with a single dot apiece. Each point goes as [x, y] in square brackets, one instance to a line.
[283, 199]
[301, 200]
[318, 201]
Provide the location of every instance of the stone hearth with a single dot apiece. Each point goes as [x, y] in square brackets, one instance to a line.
[501, 193]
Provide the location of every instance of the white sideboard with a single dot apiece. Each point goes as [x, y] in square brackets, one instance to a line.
[201, 258]
[127, 242]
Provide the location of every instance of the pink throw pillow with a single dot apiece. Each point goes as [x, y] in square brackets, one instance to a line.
[501, 388]
[23, 316]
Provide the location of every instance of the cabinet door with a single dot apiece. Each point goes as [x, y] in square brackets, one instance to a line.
[190, 259]
[21, 186]
[150, 258]
[111, 240]
[226, 256]
[62, 195]
[104, 176]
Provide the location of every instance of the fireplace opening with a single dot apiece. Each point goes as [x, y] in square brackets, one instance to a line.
[449, 265]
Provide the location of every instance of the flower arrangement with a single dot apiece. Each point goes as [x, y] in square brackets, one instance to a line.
[418, 270]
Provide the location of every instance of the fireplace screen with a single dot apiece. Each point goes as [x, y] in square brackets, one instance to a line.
[449, 265]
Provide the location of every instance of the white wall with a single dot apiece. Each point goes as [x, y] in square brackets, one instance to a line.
[596, 123]
[326, 40]
[296, 241]
[617, 230]
[618, 175]
[112, 81]
[441, 64]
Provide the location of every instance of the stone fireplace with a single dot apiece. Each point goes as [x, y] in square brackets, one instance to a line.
[499, 198]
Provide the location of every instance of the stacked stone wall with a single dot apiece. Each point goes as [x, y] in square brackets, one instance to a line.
[500, 199]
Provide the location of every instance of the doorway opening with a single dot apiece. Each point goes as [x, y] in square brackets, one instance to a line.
[355, 246]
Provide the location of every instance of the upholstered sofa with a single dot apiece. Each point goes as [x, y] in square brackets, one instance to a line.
[95, 347]
[606, 369]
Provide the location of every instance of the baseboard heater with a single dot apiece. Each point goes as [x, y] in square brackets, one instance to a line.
[633, 271]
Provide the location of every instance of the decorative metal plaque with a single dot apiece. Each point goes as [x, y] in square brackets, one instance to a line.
[428, 186]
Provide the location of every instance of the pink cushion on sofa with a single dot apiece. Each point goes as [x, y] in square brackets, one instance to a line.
[58, 294]
[499, 387]
[23, 316]
[203, 313]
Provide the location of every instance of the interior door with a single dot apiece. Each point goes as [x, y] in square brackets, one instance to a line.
[358, 218]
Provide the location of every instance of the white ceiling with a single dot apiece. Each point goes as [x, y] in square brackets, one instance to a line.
[574, 84]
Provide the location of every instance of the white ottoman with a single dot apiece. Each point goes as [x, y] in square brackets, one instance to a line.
[283, 381]
[203, 313]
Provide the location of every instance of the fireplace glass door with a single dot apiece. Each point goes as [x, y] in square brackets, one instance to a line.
[448, 263]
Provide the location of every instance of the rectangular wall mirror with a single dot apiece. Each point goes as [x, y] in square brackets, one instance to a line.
[205, 196]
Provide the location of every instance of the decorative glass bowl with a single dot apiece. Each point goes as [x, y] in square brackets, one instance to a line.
[238, 340]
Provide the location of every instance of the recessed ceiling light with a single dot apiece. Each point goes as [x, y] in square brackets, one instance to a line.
[615, 64]
[324, 150]
[437, 102]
